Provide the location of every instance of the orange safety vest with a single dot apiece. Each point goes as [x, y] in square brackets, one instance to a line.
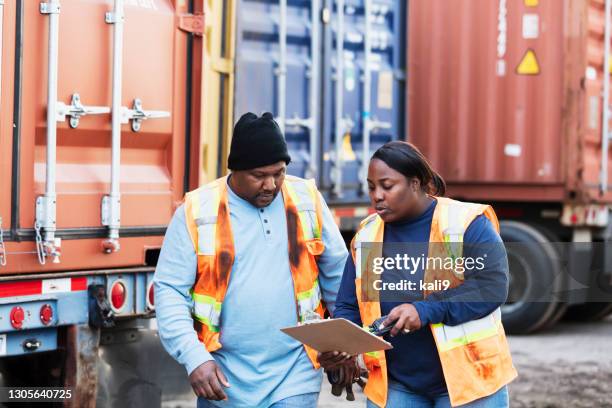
[475, 356]
[208, 221]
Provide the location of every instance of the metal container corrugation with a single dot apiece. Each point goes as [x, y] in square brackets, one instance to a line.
[492, 131]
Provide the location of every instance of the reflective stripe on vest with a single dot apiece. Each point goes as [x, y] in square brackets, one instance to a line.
[449, 337]
[205, 216]
[303, 193]
[309, 300]
[452, 225]
[305, 197]
[207, 311]
[365, 235]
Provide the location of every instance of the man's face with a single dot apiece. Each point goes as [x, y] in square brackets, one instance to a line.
[259, 186]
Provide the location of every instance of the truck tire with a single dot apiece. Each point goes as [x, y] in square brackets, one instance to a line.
[560, 311]
[534, 271]
[588, 312]
[561, 306]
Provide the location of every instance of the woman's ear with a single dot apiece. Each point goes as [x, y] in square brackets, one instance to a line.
[415, 184]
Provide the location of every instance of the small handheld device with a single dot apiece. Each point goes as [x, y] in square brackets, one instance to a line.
[375, 327]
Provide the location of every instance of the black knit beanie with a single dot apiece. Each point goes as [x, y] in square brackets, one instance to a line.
[257, 142]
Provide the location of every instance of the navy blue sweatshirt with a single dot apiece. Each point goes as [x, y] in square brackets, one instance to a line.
[414, 362]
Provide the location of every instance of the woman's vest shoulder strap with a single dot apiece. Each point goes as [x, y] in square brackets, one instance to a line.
[368, 230]
[454, 217]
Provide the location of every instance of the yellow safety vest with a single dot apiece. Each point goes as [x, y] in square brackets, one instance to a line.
[475, 356]
[208, 221]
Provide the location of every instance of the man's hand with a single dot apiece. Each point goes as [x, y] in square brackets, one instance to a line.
[342, 376]
[206, 381]
[406, 319]
[333, 359]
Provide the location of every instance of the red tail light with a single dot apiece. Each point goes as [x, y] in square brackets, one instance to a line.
[151, 297]
[17, 317]
[118, 296]
[46, 314]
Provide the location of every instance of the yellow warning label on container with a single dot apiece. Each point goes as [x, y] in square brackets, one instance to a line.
[529, 64]
[532, 3]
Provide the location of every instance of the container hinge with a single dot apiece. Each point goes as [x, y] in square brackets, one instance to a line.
[76, 109]
[399, 74]
[40, 248]
[3, 253]
[49, 8]
[222, 65]
[110, 210]
[325, 15]
[307, 123]
[111, 17]
[137, 115]
[192, 23]
[377, 124]
[45, 218]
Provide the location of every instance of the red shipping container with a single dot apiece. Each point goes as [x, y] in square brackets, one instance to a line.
[505, 97]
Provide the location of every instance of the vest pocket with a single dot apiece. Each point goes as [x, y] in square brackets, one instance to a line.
[315, 247]
[371, 360]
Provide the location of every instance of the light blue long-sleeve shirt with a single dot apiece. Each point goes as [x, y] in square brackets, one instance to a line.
[262, 364]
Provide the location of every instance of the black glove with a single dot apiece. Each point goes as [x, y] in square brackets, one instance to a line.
[343, 377]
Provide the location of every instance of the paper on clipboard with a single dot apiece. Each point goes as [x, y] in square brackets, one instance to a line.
[337, 335]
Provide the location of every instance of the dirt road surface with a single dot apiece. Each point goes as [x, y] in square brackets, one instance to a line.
[567, 366]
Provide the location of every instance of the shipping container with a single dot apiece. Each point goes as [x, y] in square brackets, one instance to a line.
[333, 79]
[102, 108]
[509, 99]
[505, 97]
[66, 185]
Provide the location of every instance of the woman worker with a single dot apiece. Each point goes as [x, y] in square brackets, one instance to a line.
[449, 346]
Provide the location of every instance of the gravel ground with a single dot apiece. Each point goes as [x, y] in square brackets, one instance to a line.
[567, 366]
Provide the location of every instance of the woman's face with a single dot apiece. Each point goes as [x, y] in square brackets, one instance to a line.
[392, 195]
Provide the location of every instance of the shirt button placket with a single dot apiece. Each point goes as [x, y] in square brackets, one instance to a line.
[265, 221]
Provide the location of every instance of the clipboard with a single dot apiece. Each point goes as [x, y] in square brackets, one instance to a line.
[337, 335]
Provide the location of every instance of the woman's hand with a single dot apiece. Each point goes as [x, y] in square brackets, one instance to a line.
[406, 319]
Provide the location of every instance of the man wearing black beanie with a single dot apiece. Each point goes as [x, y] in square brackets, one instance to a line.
[248, 261]
[257, 142]
[258, 149]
